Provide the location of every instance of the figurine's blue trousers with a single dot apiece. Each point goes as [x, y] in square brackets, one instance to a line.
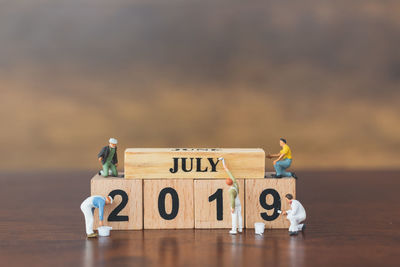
[281, 166]
[109, 166]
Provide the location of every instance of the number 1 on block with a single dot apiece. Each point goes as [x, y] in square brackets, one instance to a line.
[212, 203]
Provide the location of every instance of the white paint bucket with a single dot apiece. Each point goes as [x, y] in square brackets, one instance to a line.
[259, 228]
[104, 230]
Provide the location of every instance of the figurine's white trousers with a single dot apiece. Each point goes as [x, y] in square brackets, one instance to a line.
[295, 222]
[237, 215]
[87, 208]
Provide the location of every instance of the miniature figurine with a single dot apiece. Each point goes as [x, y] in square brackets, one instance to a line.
[88, 206]
[295, 215]
[236, 207]
[108, 158]
[283, 161]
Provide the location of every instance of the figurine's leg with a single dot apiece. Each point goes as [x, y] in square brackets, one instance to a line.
[114, 171]
[278, 168]
[234, 223]
[300, 227]
[238, 211]
[87, 212]
[301, 224]
[89, 224]
[240, 218]
[286, 174]
[284, 165]
[293, 224]
[104, 172]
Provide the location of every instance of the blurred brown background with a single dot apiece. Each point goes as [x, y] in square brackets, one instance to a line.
[200, 73]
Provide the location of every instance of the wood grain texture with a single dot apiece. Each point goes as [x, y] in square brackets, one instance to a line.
[350, 216]
[134, 208]
[206, 212]
[254, 188]
[155, 163]
[185, 215]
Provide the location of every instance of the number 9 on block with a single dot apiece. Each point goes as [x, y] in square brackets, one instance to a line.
[264, 198]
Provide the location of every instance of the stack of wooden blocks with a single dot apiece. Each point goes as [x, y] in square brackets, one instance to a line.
[185, 188]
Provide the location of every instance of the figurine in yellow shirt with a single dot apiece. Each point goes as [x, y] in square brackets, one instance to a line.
[283, 161]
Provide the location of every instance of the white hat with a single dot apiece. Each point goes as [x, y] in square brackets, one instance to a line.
[113, 141]
[111, 199]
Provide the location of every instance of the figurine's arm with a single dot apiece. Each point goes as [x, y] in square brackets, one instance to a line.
[101, 154]
[273, 155]
[283, 152]
[101, 213]
[229, 172]
[294, 209]
[115, 158]
[280, 156]
[231, 176]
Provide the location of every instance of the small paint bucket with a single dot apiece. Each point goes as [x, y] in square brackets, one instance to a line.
[104, 230]
[259, 228]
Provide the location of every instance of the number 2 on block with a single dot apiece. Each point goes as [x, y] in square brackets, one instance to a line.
[114, 217]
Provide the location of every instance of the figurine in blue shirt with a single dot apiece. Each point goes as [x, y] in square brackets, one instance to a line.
[88, 206]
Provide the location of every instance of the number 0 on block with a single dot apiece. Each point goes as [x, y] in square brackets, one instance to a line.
[168, 204]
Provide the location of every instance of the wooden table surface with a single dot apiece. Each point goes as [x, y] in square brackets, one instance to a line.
[353, 219]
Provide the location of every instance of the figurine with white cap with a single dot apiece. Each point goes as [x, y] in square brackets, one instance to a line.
[108, 158]
[88, 206]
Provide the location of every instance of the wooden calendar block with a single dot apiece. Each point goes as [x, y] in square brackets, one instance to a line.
[168, 204]
[193, 163]
[126, 211]
[212, 204]
[264, 197]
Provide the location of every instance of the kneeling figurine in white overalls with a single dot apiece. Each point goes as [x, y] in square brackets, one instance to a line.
[296, 215]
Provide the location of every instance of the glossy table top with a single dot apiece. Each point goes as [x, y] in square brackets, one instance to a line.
[353, 219]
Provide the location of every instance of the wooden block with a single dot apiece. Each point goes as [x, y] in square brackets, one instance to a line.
[264, 197]
[193, 163]
[212, 203]
[168, 204]
[126, 211]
